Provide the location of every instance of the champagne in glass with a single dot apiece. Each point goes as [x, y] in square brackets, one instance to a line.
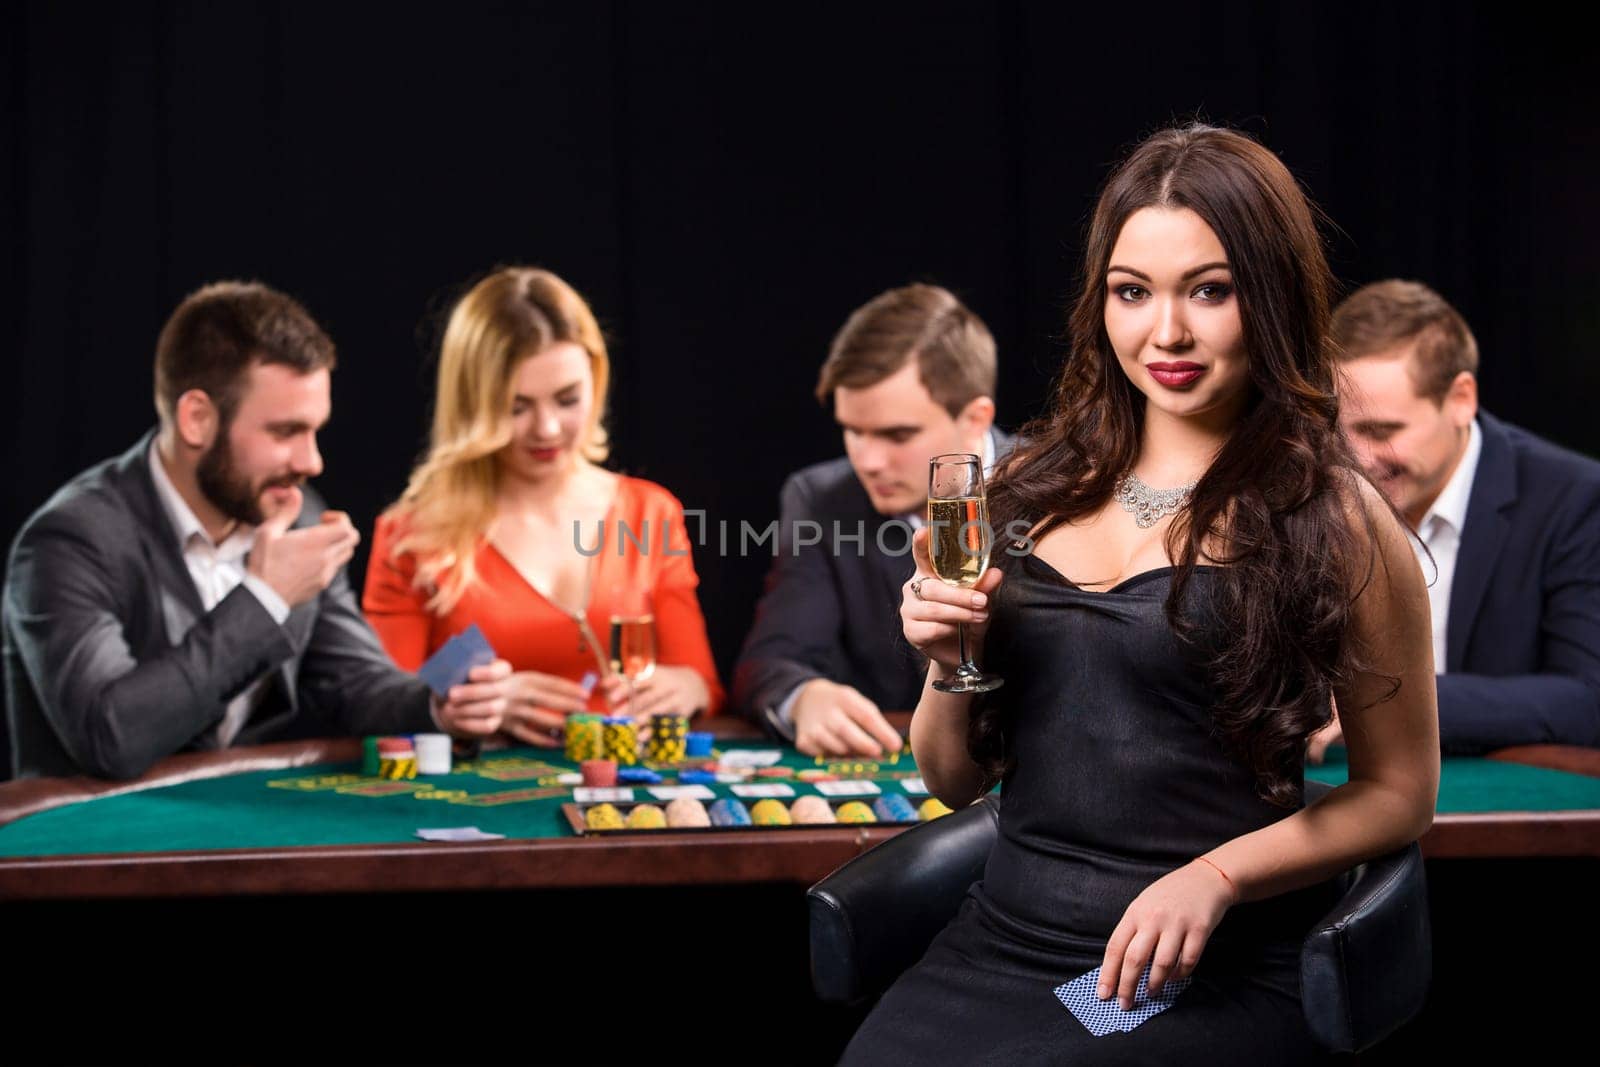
[959, 543]
[633, 646]
[633, 639]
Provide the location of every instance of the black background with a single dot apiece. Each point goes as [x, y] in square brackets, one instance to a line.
[724, 183]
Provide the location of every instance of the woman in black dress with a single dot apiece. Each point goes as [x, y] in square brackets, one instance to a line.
[1206, 570]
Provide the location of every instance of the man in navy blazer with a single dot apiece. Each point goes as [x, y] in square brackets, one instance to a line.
[1512, 524]
[911, 375]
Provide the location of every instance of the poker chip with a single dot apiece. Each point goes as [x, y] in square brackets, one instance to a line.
[433, 753]
[603, 817]
[687, 813]
[697, 777]
[646, 817]
[931, 809]
[585, 737]
[638, 776]
[811, 809]
[769, 812]
[893, 807]
[621, 740]
[855, 811]
[668, 735]
[599, 772]
[698, 744]
[729, 812]
[813, 774]
[369, 757]
[774, 772]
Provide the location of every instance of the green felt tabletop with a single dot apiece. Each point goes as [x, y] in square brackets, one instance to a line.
[1469, 786]
[510, 792]
[513, 792]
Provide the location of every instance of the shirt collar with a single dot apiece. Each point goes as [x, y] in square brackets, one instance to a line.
[1450, 507]
[183, 518]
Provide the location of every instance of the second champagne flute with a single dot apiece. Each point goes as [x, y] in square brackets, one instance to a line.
[633, 639]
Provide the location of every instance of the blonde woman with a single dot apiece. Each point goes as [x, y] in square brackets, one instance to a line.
[499, 524]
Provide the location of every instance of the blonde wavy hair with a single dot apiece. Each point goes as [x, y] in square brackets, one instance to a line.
[448, 507]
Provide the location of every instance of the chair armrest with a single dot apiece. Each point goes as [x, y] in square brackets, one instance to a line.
[1365, 967]
[875, 916]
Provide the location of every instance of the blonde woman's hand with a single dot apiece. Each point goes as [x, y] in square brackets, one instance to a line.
[930, 609]
[668, 691]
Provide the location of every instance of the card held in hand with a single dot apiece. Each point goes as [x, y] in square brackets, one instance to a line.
[455, 659]
[1101, 1017]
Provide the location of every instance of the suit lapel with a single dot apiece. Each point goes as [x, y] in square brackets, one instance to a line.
[1494, 490]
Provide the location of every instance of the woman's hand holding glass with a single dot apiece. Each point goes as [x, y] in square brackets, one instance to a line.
[930, 620]
[665, 691]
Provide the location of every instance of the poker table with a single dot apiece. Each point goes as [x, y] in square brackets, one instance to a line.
[300, 818]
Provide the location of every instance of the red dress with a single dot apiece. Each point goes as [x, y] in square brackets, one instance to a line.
[528, 630]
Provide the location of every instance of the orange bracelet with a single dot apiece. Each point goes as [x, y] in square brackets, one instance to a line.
[1224, 874]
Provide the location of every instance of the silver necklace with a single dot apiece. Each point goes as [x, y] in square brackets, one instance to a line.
[1149, 506]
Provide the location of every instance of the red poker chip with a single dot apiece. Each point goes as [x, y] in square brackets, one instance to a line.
[393, 746]
[775, 772]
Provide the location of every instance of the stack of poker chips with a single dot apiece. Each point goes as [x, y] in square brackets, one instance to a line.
[433, 753]
[585, 737]
[396, 758]
[668, 738]
[699, 744]
[621, 740]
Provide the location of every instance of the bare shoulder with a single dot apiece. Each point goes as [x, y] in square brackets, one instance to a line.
[1389, 566]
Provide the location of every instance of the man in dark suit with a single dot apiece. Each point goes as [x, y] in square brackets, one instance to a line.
[1511, 522]
[911, 375]
[191, 593]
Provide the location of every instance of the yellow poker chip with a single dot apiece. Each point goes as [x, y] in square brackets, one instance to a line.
[855, 811]
[931, 809]
[646, 817]
[603, 817]
[769, 812]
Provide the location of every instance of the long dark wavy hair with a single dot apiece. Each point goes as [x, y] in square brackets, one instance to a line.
[1274, 509]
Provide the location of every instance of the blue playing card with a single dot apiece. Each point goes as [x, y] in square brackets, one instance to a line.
[455, 659]
[1101, 1017]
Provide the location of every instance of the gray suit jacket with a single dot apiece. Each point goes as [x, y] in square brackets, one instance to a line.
[111, 662]
[832, 610]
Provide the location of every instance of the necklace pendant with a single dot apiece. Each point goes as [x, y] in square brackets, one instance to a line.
[1149, 506]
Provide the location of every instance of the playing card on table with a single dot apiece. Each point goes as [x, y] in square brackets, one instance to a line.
[457, 833]
[455, 659]
[1101, 1017]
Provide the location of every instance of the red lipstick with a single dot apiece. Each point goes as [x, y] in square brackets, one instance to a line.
[1178, 374]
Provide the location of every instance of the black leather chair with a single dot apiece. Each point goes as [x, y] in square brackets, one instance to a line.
[1364, 968]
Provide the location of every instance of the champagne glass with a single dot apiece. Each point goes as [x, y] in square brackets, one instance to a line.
[633, 638]
[959, 541]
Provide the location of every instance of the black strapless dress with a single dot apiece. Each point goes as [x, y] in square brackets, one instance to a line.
[1118, 780]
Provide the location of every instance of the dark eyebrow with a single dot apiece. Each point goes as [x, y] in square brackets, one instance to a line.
[1375, 426]
[884, 431]
[293, 426]
[1142, 276]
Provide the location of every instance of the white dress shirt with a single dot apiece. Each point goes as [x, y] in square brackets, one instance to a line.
[216, 570]
[1440, 530]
